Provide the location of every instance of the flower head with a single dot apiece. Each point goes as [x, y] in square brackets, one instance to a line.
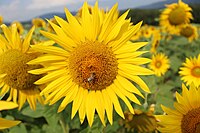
[185, 117]
[189, 31]
[142, 122]
[190, 72]
[20, 27]
[15, 52]
[96, 63]
[159, 64]
[175, 15]
[38, 22]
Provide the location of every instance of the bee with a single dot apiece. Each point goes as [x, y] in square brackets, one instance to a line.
[91, 78]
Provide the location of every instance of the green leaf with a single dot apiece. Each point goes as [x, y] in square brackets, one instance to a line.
[18, 129]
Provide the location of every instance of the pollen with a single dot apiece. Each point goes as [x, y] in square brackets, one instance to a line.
[191, 121]
[177, 16]
[158, 64]
[196, 71]
[93, 65]
[13, 64]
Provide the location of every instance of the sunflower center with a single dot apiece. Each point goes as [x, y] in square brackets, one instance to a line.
[13, 64]
[93, 65]
[191, 121]
[187, 31]
[177, 16]
[196, 71]
[158, 64]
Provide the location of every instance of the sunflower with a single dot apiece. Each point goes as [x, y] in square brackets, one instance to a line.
[159, 64]
[20, 27]
[49, 28]
[155, 41]
[14, 76]
[185, 117]
[142, 122]
[95, 65]
[38, 23]
[174, 15]
[189, 32]
[190, 72]
[4, 105]
[1, 20]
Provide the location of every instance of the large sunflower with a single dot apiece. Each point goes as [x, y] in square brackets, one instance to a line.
[174, 15]
[95, 65]
[14, 76]
[190, 72]
[159, 64]
[185, 117]
[4, 105]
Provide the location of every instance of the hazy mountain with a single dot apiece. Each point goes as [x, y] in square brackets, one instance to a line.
[156, 5]
[159, 5]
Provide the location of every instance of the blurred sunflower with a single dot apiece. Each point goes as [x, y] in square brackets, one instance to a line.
[14, 76]
[96, 64]
[189, 31]
[4, 105]
[155, 41]
[159, 64]
[49, 27]
[39, 23]
[190, 72]
[142, 122]
[174, 15]
[20, 27]
[1, 20]
[80, 11]
[136, 36]
[185, 117]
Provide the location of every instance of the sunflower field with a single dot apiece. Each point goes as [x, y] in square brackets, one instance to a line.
[100, 72]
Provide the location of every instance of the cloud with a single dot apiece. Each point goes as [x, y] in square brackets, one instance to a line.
[43, 4]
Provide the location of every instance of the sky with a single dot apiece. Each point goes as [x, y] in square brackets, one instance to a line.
[23, 10]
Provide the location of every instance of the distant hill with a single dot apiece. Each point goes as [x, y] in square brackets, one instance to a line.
[48, 16]
[146, 13]
[160, 5]
[51, 15]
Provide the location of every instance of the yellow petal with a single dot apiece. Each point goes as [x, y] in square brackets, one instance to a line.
[82, 109]
[127, 85]
[100, 107]
[90, 107]
[7, 123]
[50, 50]
[4, 105]
[26, 42]
[108, 106]
[77, 101]
[136, 79]
[51, 76]
[115, 102]
[134, 69]
[118, 93]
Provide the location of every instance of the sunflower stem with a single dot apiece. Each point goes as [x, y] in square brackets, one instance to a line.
[145, 102]
[63, 124]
